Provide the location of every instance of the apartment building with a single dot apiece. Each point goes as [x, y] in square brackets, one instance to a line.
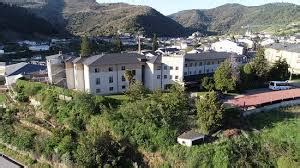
[104, 74]
[290, 52]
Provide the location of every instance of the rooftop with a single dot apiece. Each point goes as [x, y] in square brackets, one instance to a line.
[23, 68]
[191, 135]
[210, 55]
[8, 163]
[285, 46]
[117, 58]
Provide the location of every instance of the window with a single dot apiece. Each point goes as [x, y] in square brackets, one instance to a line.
[195, 64]
[165, 67]
[208, 63]
[171, 77]
[158, 77]
[110, 69]
[207, 70]
[123, 78]
[185, 65]
[123, 68]
[212, 62]
[190, 73]
[177, 68]
[97, 81]
[171, 67]
[123, 87]
[176, 77]
[111, 79]
[200, 71]
[98, 90]
[97, 70]
[133, 72]
[165, 76]
[200, 63]
[185, 73]
[111, 88]
[191, 64]
[158, 68]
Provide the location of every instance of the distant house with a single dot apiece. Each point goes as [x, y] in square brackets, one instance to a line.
[191, 138]
[39, 48]
[248, 43]
[228, 46]
[267, 42]
[16, 71]
[195, 51]
[166, 51]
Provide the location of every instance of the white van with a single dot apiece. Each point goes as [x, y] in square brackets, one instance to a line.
[279, 85]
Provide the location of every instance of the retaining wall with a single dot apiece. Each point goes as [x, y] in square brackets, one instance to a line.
[272, 107]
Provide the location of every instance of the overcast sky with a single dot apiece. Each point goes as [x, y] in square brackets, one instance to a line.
[172, 6]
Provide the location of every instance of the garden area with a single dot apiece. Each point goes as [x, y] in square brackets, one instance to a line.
[140, 128]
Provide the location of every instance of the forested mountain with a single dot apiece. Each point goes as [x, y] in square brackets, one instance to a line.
[88, 16]
[21, 21]
[234, 17]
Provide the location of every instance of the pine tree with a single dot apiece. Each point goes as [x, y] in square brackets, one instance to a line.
[224, 78]
[210, 113]
[154, 43]
[85, 47]
[118, 46]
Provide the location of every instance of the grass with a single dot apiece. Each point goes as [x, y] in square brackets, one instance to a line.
[278, 139]
[2, 98]
[120, 97]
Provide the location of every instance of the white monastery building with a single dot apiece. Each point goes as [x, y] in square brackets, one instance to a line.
[104, 74]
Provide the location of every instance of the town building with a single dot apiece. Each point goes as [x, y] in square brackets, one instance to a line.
[14, 72]
[287, 51]
[104, 74]
[228, 46]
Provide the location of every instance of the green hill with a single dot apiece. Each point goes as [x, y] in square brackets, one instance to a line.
[17, 20]
[235, 17]
[88, 16]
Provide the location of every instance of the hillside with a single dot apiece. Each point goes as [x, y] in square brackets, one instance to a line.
[235, 17]
[16, 20]
[88, 16]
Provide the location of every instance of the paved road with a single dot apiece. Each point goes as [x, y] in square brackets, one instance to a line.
[5, 162]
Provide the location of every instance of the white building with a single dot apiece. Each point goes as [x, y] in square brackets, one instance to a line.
[227, 46]
[249, 43]
[39, 48]
[104, 74]
[267, 42]
[290, 52]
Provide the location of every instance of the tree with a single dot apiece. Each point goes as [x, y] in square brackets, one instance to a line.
[129, 76]
[118, 46]
[279, 70]
[208, 83]
[209, 113]
[136, 91]
[260, 64]
[154, 43]
[99, 150]
[85, 47]
[224, 78]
